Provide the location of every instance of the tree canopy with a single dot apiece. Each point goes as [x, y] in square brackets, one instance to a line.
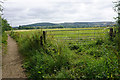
[5, 25]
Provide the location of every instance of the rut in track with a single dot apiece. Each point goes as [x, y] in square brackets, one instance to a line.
[12, 61]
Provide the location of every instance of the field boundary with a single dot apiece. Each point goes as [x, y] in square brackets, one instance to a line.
[88, 35]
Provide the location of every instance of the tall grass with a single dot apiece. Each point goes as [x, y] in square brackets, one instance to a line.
[4, 38]
[4, 42]
[59, 60]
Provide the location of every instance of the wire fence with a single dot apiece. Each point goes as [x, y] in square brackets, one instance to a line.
[79, 35]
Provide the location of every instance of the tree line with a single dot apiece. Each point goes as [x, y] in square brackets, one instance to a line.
[5, 25]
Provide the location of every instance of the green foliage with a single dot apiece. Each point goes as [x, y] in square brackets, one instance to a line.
[4, 38]
[59, 60]
[4, 42]
[74, 47]
[5, 25]
[99, 42]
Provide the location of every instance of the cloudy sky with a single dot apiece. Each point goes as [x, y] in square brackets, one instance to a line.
[20, 12]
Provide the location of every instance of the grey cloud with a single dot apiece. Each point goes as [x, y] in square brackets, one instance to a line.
[29, 11]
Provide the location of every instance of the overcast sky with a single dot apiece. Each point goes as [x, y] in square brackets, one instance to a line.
[20, 12]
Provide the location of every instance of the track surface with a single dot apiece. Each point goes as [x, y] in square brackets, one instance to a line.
[12, 61]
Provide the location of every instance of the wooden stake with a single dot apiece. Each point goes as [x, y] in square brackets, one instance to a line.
[111, 33]
[44, 36]
[41, 40]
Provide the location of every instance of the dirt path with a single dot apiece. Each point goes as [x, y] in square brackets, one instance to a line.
[12, 61]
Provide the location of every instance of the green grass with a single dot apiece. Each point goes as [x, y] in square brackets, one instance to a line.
[4, 42]
[79, 34]
[4, 38]
[67, 59]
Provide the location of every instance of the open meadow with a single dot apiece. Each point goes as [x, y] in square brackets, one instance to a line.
[69, 34]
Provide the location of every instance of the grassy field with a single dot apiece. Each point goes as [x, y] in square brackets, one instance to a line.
[70, 33]
[62, 58]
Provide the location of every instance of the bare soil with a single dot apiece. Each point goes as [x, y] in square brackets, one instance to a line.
[12, 61]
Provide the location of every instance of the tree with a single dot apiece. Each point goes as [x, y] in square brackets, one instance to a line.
[5, 25]
[117, 9]
[1, 9]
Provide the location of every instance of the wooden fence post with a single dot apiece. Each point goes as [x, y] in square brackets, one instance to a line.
[119, 30]
[111, 33]
[44, 36]
[41, 40]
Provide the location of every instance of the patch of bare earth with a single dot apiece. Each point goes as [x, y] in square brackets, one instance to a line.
[12, 61]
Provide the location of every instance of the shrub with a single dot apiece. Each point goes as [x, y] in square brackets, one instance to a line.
[99, 42]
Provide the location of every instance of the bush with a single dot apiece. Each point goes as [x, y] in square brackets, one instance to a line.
[99, 42]
[4, 38]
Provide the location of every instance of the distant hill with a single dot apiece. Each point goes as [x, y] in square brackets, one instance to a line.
[41, 24]
[66, 25]
[88, 24]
